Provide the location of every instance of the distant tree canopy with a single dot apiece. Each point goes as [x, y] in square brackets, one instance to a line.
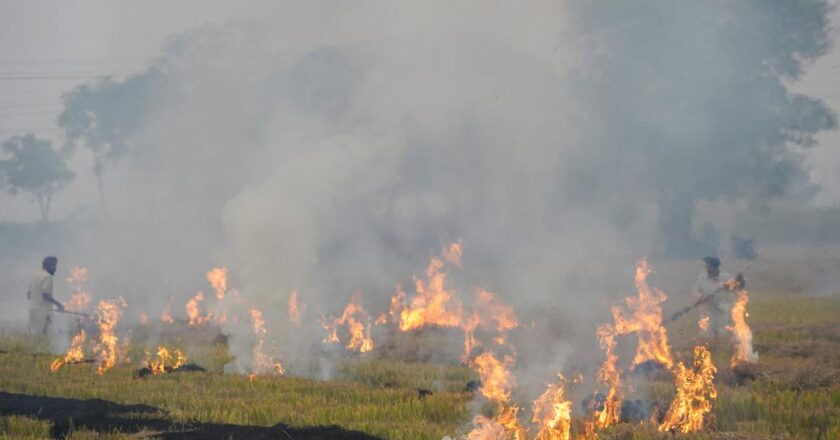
[35, 168]
[105, 115]
[700, 92]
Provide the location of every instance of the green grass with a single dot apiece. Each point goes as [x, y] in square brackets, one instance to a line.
[796, 394]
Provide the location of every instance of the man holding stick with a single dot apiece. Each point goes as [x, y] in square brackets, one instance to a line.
[715, 293]
[41, 300]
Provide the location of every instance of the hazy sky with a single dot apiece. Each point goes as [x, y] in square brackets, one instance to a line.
[48, 47]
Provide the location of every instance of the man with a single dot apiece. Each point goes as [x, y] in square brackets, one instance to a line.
[41, 298]
[716, 313]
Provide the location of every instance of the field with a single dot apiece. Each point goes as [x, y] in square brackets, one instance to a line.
[794, 392]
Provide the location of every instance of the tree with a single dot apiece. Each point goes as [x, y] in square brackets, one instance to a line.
[105, 115]
[694, 101]
[33, 167]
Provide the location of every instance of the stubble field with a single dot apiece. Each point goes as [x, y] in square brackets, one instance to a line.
[793, 392]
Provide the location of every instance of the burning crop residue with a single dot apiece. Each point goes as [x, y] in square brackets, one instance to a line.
[296, 309]
[703, 324]
[80, 299]
[356, 324]
[741, 331]
[164, 361]
[552, 413]
[489, 314]
[488, 325]
[695, 393]
[433, 304]
[106, 317]
[262, 362]
[609, 376]
[645, 321]
[74, 354]
[194, 310]
[436, 304]
[166, 313]
[218, 279]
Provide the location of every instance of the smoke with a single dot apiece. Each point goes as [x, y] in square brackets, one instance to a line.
[558, 143]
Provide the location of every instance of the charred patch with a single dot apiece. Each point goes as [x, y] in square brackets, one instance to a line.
[106, 417]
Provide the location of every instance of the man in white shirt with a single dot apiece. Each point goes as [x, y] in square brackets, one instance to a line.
[717, 311]
[41, 300]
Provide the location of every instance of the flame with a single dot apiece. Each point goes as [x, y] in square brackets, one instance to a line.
[263, 363]
[695, 393]
[433, 304]
[218, 279]
[609, 376]
[493, 313]
[78, 301]
[497, 384]
[496, 379]
[382, 319]
[193, 312]
[553, 413]
[296, 309]
[470, 341]
[489, 314]
[166, 314]
[357, 322]
[504, 426]
[75, 353]
[645, 320]
[106, 316]
[741, 331]
[78, 275]
[703, 323]
[159, 364]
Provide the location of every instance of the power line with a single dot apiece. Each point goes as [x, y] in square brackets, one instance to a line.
[56, 77]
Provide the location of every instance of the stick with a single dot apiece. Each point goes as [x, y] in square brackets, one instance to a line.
[69, 312]
[736, 283]
[685, 310]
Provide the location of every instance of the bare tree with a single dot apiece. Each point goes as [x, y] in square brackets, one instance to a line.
[33, 167]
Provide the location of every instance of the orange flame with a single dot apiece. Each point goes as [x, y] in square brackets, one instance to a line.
[263, 363]
[703, 323]
[553, 413]
[496, 379]
[78, 275]
[645, 320]
[78, 301]
[357, 322]
[218, 279]
[434, 304]
[695, 393]
[296, 309]
[609, 376]
[106, 316]
[489, 314]
[75, 353]
[505, 426]
[165, 361]
[166, 314]
[741, 331]
[193, 312]
[470, 341]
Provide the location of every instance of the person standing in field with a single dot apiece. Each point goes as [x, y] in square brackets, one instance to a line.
[41, 300]
[716, 285]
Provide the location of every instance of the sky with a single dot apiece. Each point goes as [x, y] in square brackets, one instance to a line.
[48, 48]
